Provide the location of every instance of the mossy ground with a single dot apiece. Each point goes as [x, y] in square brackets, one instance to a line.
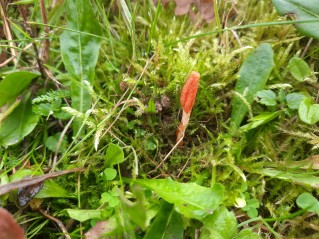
[138, 79]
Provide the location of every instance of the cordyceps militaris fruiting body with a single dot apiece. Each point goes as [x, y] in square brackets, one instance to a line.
[187, 100]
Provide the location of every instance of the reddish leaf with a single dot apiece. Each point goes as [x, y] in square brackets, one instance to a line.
[102, 228]
[183, 6]
[206, 9]
[9, 229]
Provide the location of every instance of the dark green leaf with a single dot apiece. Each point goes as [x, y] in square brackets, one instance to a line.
[52, 142]
[190, 199]
[266, 97]
[293, 100]
[308, 202]
[301, 10]
[299, 69]
[308, 112]
[13, 85]
[252, 78]
[18, 124]
[167, 224]
[80, 52]
[114, 155]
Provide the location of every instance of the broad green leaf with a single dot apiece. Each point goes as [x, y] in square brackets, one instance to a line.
[114, 155]
[109, 174]
[80, 52]
[302, 179]
[298, 68]
[260, 119]
[190, 199]
[18, 124]
[293, 100]
[247, 234]
[13, 85]
[308, 112]
[167, 224]
[136, 211]
[53, 190]
[223, 222]
[52, 142]
[266, 97]
[11, 91]
[301, 10]
[84, 215]
[252, 78]
[308, 202]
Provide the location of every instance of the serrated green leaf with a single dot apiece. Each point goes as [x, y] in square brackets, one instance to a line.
[167, 224]
[252, 78]
[293, 100]
[190, 199]
[18, 124]
[223, 222]
[114, 155]
[80, 52]
[308, 112]
[266, 97]
[308, 202]
[301, 10]
[299, 69]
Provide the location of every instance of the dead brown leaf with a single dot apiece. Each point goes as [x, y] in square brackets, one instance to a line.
[205, 8]
[99, 230]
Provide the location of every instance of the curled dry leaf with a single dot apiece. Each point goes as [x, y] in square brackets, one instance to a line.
[187, 100]
[9, 229]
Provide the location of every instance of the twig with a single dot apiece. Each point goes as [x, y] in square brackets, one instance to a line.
[169, 153]
[7, 31]
[60, 142]
[57, 221]
[28, 29]
[45, 48]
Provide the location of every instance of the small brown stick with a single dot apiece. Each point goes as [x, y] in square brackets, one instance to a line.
[28, 29]
[45, 48]
[57, 221]
[187, 100]
[7, 31]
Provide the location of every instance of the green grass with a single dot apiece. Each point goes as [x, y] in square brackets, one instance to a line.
[142, 64]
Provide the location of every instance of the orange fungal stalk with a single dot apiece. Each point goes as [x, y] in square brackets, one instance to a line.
[187, 100]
